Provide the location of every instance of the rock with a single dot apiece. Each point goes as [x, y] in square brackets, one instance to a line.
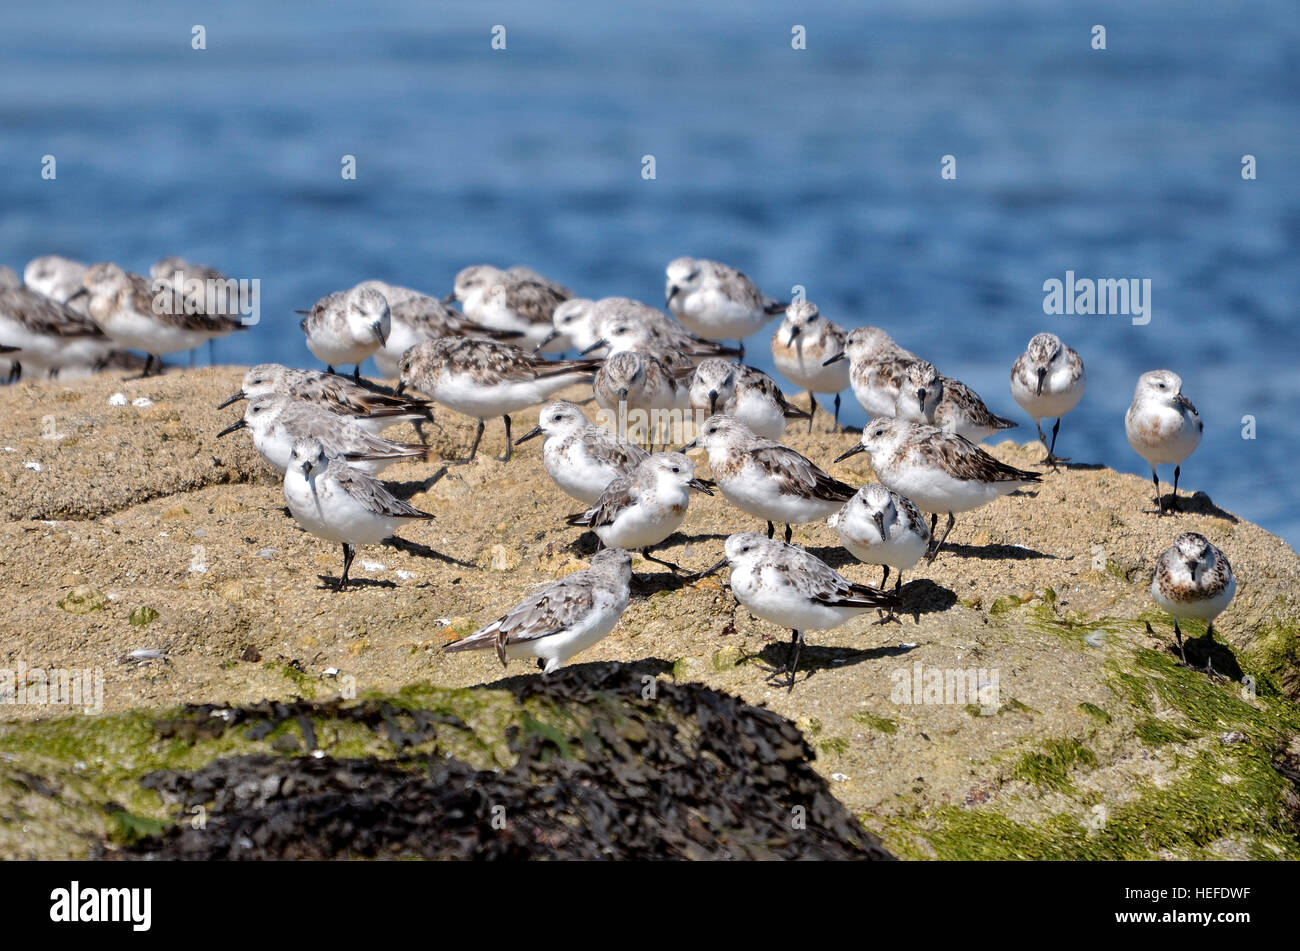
[1046, 591]
[83, 599]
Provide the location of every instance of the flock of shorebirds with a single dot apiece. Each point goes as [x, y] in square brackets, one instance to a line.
[498, 355]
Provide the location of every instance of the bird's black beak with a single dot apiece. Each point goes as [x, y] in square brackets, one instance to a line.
[673, 291]
[702, 485]
[303, 312]
[920, 398]
[595, 346]
[450, 298]
[545, 340]
[794, 332]
[693, 444]
[377, 328]
[879, 518]
[1042, 373]
[240, 424]
[401, 385]
[713, 402]
[234, 399]
[306, 468]
[835, 359]
[622, 395]
[852, 452]
[531, 434]
[1191, 566]
[79, 292]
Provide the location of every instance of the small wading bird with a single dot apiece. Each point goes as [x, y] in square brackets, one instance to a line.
[347, 327]
[359, 401]
[1193, 580]
[720, 387]
[801, 349]
[931, 398]
[484, 378]
[581, 457]
[876, 368]
[939, 471]
[1163, 427]
[1048, 380]
[880, 527]
[639, 511]
[717, 302]
[564, 618]
[129, 310]
[338, 502]
[765, 479]
[788, 586]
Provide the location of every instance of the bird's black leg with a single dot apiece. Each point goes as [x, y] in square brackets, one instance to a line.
[939, 544]
[509, 446]
[329, 369]
[356, 372]
[788, 532]
[796, 641]
[837, 412]
[1056, 428]
[741, 344]
[478, 436]
[1179, 635]
[1155, 480]
[812, 409]
[771, 529]
[645, 553]
[885, 577]
[1173, 501]
[349, 552]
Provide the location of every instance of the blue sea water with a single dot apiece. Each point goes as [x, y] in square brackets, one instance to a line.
[818, 167]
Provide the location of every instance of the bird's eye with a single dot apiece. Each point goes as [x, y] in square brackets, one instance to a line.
[879, 432]
[676, 469]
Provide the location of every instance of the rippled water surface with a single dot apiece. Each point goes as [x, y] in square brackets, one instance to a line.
[817, 167]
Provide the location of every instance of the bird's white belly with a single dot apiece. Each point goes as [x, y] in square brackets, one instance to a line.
[807, 371]
[462, 393]
[332, 514]
[1205, 609]
[763, 416]
[933, 490]
[136, 331]
[755, 495]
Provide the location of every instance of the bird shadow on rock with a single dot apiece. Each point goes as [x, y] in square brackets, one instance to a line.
[923, 596]
[995, 552]
[405, 490]
[645, 667]
[1196, 504]
[646, 583]
[331, 583]
[837, 557]
[814, 657]
[1207, 654]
